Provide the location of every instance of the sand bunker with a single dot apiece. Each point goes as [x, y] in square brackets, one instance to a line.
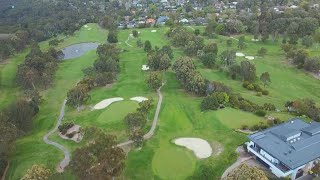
[75, 131]
[153, 30]
[240, 54]
[138, 99]
[86, 26]
[255, 40]
[145, 68]
[250, 57]
[107, 102]
[200, 147]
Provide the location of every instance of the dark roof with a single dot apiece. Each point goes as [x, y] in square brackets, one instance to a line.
[294, 143]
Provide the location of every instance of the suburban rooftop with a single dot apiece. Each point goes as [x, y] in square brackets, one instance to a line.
[294, 143]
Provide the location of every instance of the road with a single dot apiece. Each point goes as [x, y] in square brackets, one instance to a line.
[65, 162]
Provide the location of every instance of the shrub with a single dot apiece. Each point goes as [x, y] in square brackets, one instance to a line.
[259, 94]
[70, 135]
[63, 128]
[245, 84]
[261, 113]
[244, 127]
[269, 107]
[209, 102]
[265, 92]
[257, 88]
[250, 87]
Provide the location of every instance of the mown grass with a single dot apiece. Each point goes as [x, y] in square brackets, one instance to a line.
[180, 115]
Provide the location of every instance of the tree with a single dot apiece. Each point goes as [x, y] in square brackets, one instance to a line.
[229, 42]
[241, 42]
[184, 68]
[112, 37]
[211, 48]
[39, 172]
[312, 64]
[228, 57]
[209, 103]
[154, 80]
[192, 47]
[139, 43]
[107, 51]
[77, 96]
[135, 33]
[134, 121]
[299, 57]
[262, 52]
[220, 29]
[145, 106]
[307, 41]
[147, 46]
[197, 32]
[167, 50]
[99, 159]
[246, 172]
[265, 78]
[248, 71]
[20, 113]
[208, 60]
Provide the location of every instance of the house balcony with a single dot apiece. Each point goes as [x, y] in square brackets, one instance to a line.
[278, 168]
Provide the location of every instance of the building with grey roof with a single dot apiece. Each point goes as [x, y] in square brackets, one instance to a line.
[288, 149]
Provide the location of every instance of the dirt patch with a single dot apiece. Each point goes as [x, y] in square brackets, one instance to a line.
[217, 148]
[74, 133]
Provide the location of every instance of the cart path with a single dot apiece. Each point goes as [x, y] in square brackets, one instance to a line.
[65, 162]
[154, 123]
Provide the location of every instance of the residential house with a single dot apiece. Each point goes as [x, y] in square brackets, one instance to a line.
[150, 21]
[162, 20]
[290, 149]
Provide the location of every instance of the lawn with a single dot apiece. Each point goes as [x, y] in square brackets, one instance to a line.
[180, 114]
[234, 119]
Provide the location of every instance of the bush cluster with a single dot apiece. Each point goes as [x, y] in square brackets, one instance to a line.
[63, 128]
[255, 87]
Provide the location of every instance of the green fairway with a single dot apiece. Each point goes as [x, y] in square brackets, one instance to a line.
[173, 163]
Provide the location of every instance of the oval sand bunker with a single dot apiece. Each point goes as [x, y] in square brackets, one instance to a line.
[200, 147]
[106, 102]
[78, 50]
[139, 99]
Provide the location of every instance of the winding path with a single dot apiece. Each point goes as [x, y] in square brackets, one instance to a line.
[154, 123]
[65, 162]
[128, 40]
[243, 156]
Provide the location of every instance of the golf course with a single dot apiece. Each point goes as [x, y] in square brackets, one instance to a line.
[180, 114]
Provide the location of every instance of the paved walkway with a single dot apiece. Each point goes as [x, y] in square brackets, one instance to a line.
[154, 123]
[65, 162]
[243, 156]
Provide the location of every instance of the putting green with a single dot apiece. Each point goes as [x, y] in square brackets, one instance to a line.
[116, 111]
[233, 118]
[173, 163]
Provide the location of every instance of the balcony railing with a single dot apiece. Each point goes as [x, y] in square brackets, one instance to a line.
[280, 166]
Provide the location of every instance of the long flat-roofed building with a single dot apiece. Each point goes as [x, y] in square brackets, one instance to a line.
[289, 149]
